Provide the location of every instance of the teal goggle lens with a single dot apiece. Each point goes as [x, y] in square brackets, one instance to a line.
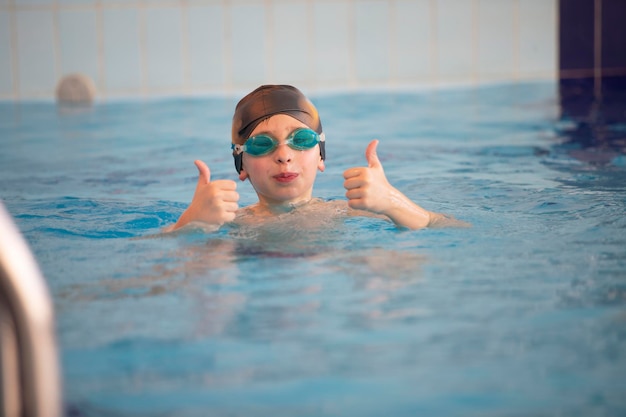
[299, 139]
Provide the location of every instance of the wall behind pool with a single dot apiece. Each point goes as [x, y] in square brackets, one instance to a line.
[151, 48]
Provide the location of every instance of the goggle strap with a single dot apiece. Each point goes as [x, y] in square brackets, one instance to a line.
[238, 162]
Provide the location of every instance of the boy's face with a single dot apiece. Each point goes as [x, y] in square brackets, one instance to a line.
[285, 175]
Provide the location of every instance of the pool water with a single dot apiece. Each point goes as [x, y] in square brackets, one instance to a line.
[523, 314]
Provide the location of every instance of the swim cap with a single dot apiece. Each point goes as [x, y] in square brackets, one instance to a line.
[267, 101]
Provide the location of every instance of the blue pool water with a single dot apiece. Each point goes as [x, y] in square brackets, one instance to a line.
[523, 314]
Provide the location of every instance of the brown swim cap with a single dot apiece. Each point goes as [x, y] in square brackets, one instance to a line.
[267, 101]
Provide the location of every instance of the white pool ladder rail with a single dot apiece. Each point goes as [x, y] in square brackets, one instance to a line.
[30, 382]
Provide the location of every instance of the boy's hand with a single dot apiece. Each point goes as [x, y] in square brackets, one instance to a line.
[214, 202]
[367, 187]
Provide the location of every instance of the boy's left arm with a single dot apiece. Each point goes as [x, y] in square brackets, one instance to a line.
[368, 189]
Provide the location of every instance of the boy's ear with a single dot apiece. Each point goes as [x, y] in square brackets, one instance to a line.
[243, 175]
[320, 165]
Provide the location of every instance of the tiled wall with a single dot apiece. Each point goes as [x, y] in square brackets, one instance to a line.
[185, 47]
[592, 63]
[592, 38]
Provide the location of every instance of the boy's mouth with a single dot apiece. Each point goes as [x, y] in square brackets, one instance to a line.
[286, 176]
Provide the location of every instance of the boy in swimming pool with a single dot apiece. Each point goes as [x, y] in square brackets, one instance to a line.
[279, 146]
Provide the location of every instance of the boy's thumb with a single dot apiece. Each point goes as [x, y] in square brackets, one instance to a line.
[204, 173]
[371, 155]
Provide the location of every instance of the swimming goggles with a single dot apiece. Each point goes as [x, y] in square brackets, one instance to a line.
[299, 139]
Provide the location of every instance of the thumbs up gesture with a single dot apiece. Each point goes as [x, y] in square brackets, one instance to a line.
[214, 202]
[367, 188]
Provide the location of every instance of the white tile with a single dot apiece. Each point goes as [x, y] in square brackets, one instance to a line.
[496, 41]
[332, 48]
[242, 43]
[206, 46]
[538, 32]
[132, 4]
[122, 55]
[248, 55]
[36, 52]
[164, 58]
[76, 2]
[6, 55]
[455, 40]
[291, 44]
[372, 40]
[34, 2]
[412, 46]
[78, 43]
[206, 2]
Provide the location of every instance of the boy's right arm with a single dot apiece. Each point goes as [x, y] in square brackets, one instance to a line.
[214, 202]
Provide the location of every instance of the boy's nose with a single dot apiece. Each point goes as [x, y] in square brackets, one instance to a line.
[284, 153]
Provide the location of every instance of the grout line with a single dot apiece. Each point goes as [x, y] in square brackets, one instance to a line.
[15, 53]
[56, 40]
[312, 56]
[474, 75]
[516, 40]
[141, 20]
[597, 49]
[269, 43]
[557, 21]
[187, 86]
[591, 72]
[226, 50]
[352, 76]
[65, 6]
[392, 42]
[434, 46]
[100, 58]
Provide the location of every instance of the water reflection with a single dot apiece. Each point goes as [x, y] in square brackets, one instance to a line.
[260, 283]
[593, 120]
